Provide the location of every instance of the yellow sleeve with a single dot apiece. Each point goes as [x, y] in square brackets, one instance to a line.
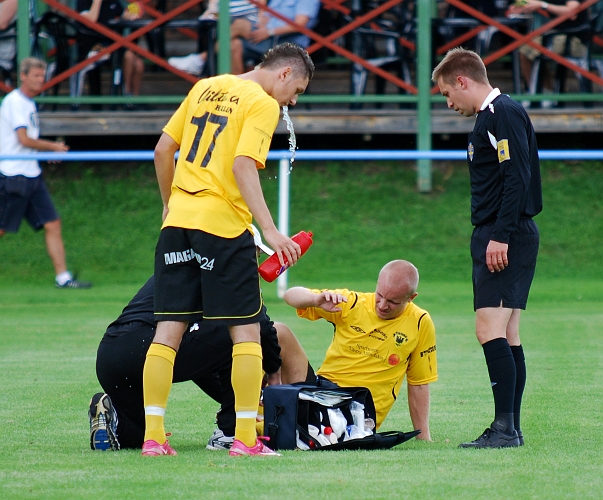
[423, 365]
[258, 127]
[314, 313]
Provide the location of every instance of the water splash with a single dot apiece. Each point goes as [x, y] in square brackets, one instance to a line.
[292, 139]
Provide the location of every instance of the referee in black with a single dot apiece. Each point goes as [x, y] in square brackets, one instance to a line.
[506, 194]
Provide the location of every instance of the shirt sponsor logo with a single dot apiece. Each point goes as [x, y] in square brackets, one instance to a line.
[209, 95]
[378, 334]
[367, 351]
[400, 338]
[470, 151]
[503, 150]
[428, 351]
[357, 329]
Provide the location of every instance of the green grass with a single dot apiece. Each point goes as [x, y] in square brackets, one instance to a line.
[362, 214]
[48, 340]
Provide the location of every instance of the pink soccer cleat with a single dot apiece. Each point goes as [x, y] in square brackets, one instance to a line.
[238, 448]
[152, 448]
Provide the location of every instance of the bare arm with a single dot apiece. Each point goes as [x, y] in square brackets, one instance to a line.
[40, 144]
[418, 407]
[262, 33]
[302, 298]
[164, 167]
[8, 9]
[94, 11]
[248, 182]
[534, 5]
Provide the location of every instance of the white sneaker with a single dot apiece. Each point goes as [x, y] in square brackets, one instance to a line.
[192, 64]
[218, 441]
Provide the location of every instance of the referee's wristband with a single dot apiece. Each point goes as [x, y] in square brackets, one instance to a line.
[544, 5]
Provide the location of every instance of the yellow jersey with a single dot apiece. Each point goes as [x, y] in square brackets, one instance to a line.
[221, 118]
[371, 352]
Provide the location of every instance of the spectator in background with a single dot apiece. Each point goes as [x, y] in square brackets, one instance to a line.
[23, 193]
[249, 40]
[103, 11]
[8, 17]
[243, 17]
[272, 30]
[544, 12]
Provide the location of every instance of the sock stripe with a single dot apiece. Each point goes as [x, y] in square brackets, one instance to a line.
[154, 410]
[247, 414]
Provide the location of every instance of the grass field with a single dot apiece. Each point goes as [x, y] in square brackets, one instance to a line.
[362, 216]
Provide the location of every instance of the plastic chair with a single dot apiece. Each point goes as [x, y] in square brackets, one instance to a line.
[380, 45]
[54, 38]
[592, 26]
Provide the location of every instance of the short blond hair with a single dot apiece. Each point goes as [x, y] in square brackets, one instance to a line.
[30, 63]
[460, 62]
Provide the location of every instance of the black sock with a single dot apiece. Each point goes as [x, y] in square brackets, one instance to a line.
[520, 382]
[501, 368]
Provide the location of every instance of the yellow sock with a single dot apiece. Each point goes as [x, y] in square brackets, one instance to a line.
[247, 384]
[157, 382]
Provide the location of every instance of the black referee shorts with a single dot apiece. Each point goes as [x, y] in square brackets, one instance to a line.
[511, 286]
[202, 276]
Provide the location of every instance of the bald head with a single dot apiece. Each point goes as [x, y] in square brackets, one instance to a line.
[396, 286]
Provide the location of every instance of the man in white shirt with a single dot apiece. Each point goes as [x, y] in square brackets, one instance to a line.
[23, 193]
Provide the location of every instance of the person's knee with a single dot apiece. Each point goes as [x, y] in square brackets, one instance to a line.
[53, 227]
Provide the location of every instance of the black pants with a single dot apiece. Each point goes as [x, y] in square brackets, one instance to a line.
[206, 359]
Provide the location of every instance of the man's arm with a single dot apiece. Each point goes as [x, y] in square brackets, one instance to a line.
[418, 407]
[40, 144]
[302, 298]
[7, 12]
[164, 167]
[248, 182]
[262, 33]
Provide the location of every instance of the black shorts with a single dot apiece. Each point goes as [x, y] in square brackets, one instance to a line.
[511, 286]
[24, 197]
[202, 276]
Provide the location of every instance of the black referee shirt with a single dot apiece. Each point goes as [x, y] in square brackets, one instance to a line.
[504, 168]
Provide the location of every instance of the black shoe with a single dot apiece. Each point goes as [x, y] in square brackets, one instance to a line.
[103, 423]
[73, 283]
[493, 438]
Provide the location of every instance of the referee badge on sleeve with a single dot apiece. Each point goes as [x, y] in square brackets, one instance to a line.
[470, 151]
[503, 150]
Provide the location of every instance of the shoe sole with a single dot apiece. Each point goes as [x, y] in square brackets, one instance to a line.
[103, 438]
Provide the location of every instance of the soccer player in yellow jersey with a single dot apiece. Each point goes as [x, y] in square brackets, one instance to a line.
[379, 338]
[205, 261]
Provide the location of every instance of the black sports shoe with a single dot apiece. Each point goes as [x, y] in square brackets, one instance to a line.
[103, 423]
[493, 438]
[73, 283]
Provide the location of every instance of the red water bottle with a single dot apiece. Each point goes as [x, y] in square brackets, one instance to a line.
[271, 268]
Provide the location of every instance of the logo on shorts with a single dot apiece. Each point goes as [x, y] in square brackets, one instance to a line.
[470, 151]
[177, 257]
[187, 256]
